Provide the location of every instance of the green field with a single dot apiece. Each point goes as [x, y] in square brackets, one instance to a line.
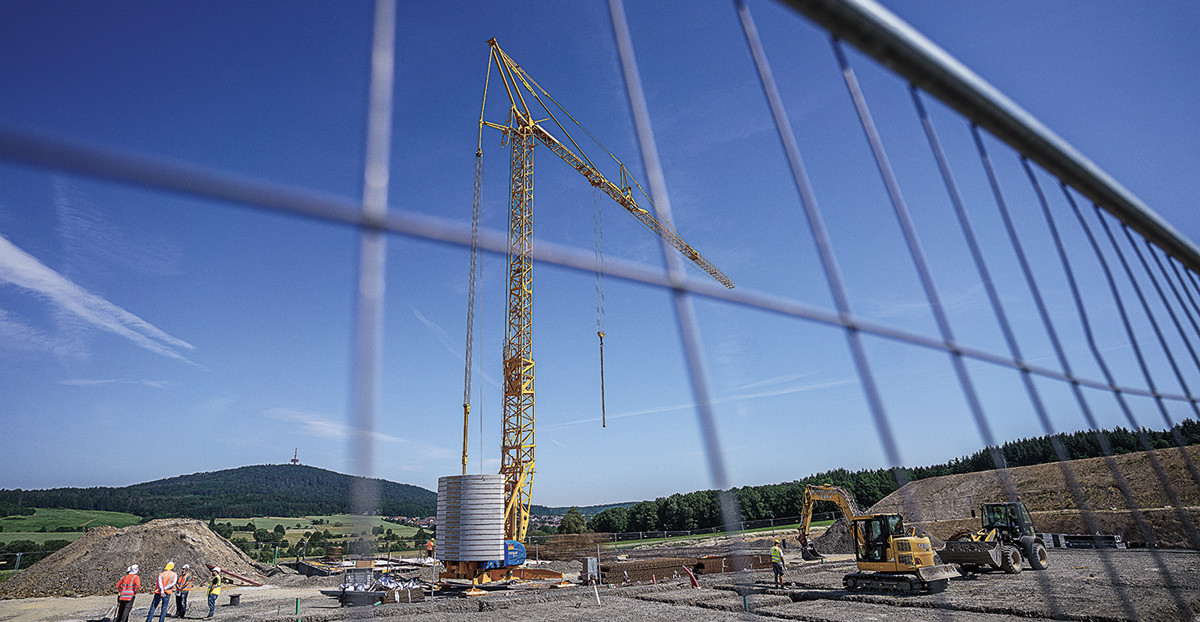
[340, 525]
[50, 519]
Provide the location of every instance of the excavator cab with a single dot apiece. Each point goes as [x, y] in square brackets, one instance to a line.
[873, 535]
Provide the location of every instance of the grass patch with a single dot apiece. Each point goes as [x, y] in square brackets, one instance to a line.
[38, 536]
[51, 519]
[340, 525]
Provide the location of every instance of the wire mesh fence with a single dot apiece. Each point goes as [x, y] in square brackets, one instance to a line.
[1092, 295]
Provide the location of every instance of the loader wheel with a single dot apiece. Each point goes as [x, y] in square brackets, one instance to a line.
[1038, 560]
[1010, 559]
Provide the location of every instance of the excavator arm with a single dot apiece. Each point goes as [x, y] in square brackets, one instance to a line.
[836, 494]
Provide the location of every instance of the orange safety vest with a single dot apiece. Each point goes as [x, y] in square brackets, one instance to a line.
[128, 586]
[166, 583]
[185, 582]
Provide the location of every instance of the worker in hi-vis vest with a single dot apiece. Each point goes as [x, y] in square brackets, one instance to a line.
[127, 589]
[214, 590]
[163, 588]
[182, 587]
[777, 563]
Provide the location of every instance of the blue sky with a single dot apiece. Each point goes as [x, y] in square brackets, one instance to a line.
[145, 335]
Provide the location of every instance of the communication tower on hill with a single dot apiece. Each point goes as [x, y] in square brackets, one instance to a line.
[296, 456]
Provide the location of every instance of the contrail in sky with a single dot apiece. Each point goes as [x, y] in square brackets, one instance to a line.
[25, 271]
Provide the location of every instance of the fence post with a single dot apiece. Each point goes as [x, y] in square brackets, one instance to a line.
[18, 567]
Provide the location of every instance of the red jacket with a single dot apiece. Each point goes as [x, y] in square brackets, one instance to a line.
[128, 586]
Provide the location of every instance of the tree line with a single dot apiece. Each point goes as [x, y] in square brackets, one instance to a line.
[264, 490]
[701, 509]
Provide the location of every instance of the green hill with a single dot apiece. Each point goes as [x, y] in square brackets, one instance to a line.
[265, 490]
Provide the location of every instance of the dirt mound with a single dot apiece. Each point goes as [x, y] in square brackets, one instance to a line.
[95, 562]
[835, 540]
[943, 505]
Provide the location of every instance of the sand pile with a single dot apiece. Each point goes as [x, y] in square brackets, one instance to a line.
[95, 562]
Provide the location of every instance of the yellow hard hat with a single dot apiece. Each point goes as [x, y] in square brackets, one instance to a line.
[170, 565]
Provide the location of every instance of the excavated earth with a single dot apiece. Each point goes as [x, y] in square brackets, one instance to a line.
[95, 562]
[1148, 499]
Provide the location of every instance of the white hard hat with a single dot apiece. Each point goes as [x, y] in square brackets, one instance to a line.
[132, 569]
[185, 566]
[216, 569]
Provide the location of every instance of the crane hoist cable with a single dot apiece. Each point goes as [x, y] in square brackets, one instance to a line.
[598, 234]
[471, 303]
[475, 270]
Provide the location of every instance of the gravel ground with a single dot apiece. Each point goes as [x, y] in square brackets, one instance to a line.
[1077, 586]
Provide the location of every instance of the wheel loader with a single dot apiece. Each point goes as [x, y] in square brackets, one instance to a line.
[1006, 541]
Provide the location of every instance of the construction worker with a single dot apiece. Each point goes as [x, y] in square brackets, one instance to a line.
[429, 547]
[127, 589]
[214, 590]
[777, 563]
[182, 587]
[163, 588]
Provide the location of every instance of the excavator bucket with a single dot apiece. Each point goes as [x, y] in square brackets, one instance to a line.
[930, 574]
[971, 552]
[809, 553]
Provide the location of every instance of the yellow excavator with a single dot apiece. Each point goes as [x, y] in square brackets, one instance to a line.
[890, 557]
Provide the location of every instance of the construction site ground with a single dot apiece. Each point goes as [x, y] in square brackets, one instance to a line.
[1079, 585]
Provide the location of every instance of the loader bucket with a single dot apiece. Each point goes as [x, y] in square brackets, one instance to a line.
[971, 552]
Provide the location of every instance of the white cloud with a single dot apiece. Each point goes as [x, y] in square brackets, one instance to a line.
[322, 426]
[691, 406]
[18, 336]
[95, 382]
[798, 388]
[24, 270]
[455, 349]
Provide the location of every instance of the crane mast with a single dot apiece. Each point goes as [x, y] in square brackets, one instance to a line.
[522, 132]
[517, 444]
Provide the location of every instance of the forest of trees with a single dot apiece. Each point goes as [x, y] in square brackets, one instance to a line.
[700, 510]
[265, 490]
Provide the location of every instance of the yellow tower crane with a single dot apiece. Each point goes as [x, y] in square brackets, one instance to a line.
[522, 131]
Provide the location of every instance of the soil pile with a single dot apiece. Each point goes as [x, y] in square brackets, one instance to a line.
[95, 562]
[835, 540]
[944, 505]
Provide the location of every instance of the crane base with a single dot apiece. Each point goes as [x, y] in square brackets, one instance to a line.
[477, 575]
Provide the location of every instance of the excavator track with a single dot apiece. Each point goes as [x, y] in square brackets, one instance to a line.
[898, 583]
